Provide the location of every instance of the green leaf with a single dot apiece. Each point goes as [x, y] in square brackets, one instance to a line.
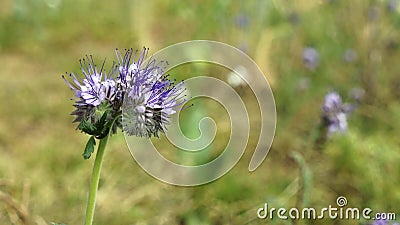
[87, 127]
[89, 149]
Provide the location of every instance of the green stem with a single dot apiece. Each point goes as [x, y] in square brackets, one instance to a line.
[95, 180]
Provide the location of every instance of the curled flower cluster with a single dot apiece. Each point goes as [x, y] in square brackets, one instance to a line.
[138, 90]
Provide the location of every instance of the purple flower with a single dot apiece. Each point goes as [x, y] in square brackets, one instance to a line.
[89, 89]
[380, 222]
[151, 96]
[92, 89]
[241, 21]
[392, 5]
[303, 84]
[357, 94]
[373, 13]
[350, 55]
[335, 113]
[310, 58]
[138, 90]
[244, 47]
[294, 18]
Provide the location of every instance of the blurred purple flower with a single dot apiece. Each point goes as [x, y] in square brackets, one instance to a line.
[303, 84]
[244, 47]
[380, 222]
[294, 18]
[310, 58]
[350, 55]
[357, 94]
[392, 5]
[335, 113]
[373, 13]
[241, 21]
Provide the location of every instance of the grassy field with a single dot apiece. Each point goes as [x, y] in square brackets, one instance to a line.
[44, 179]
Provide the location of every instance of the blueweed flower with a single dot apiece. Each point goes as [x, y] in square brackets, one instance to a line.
[310, 58]
[335, 113]
[138, 90]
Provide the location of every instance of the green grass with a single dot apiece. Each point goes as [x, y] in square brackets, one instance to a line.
[41, 166]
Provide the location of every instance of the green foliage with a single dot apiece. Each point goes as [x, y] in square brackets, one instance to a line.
[89, 149]
[99, 123]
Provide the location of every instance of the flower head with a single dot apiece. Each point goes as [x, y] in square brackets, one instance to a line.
[392, 5]
[94, 91]
[241, 20]
[380, 222]
[335, 113]
[140, 89]
[383, 222]
[310, 58]
[350, 55]
[150, 95]
[357, 94]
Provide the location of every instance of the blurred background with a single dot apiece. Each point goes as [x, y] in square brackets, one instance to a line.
[305, 48]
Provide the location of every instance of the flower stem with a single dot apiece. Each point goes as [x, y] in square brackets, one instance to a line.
[95, 180]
